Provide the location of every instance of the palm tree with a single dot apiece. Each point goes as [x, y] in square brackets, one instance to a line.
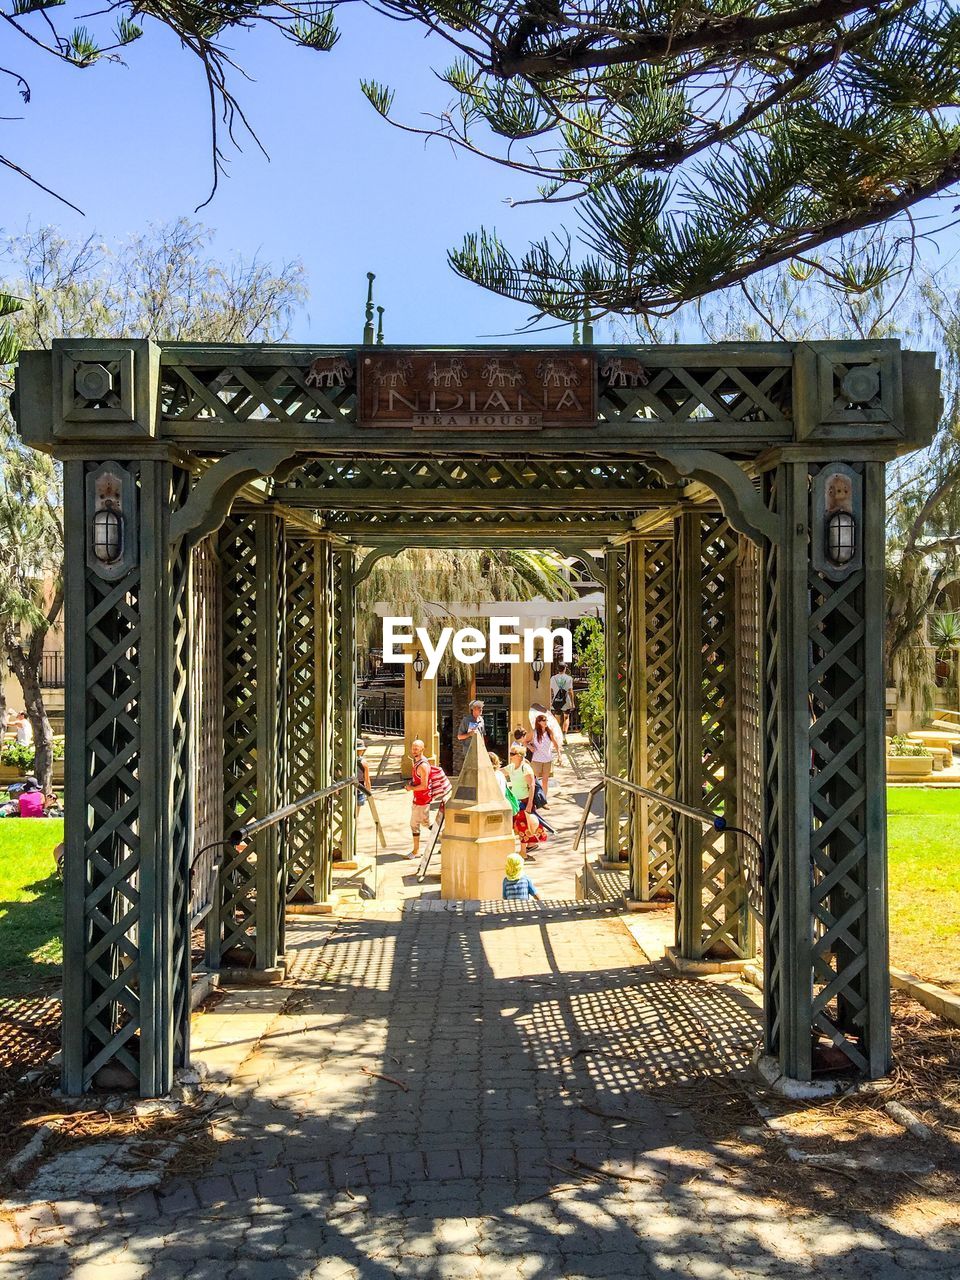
[425, 584]
[944, 632]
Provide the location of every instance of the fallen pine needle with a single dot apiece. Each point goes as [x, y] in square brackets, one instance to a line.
[574, 1173]
[389, 1079]
[609, 1173]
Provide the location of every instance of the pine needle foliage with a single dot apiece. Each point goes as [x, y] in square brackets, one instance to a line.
[697, 145]
[691, 145]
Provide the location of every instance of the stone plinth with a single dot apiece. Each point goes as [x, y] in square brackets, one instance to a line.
[477, 831]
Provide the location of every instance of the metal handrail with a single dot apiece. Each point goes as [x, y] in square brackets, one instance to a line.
[582, 831]
[709, 819]
[704, 816]
[288, 810]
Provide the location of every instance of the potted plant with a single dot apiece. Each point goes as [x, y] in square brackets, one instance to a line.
[907, 758]
[16, 761]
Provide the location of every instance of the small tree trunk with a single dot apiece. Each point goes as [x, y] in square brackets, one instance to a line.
[28, 674]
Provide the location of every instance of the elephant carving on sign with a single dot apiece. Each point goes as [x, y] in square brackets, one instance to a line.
[622, 371]
[394, 375]
[448, 374]
[502, 373]
[329, 371]
[558, 373]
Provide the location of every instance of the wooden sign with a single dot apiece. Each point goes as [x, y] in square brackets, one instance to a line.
[481, 391]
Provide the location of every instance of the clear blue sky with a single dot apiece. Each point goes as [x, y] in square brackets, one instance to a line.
[342, 190]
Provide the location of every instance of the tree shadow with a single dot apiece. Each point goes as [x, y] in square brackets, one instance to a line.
[25, 929]
[511, 1086]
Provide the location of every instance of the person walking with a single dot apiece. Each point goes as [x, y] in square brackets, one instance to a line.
[517, 887]
[520, 780]
[543, 744]
[419, 784]
[561, 696]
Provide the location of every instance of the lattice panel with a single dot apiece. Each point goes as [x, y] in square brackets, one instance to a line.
[750, 726]
[344, 701]
[711, 897]
[731, 393]
[236, 394]
[129, 797]
[659, 706]
[251, 880]
[838, 794]
[724, 921]
[493, 475]
[618, 812]
[326, 710]
[358, 523]
[207, 698]
[112, 795]
[773, 921]
[301, 846]
[181, 777]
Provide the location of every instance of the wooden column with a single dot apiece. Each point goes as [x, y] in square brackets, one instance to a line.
[129, 790]
[345, 698]
[307, 684]
[825, 910]
[618, 804]
[419, 714]
[653, 753]
[524, 692]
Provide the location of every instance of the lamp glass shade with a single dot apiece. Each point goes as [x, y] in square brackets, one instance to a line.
[107, 535]
[841, 537]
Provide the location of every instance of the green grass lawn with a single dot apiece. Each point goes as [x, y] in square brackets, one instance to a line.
[924, 853]
[30, 906]
[923, 833]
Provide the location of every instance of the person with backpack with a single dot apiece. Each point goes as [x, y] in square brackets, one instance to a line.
[520, 780]
[561, 696]
[429, 785]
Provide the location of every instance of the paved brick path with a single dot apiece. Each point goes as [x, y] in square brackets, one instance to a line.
[527, 1039]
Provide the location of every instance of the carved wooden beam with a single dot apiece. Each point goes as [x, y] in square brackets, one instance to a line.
[212, 496]
[741, 503]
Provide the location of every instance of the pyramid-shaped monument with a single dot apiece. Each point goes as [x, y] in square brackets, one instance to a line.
[477, 831]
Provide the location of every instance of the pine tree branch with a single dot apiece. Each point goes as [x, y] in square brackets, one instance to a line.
[716, 34]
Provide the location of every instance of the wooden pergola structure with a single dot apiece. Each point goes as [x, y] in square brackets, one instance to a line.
[223, 502]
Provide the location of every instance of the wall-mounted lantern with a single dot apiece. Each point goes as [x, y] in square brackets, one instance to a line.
[536, 666]
[111, 518]
[419, 666]
[841, 538]
[837, 513]
[108, 534]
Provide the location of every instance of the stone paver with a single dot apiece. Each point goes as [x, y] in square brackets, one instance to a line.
[522, 1041]
[435, 1101]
